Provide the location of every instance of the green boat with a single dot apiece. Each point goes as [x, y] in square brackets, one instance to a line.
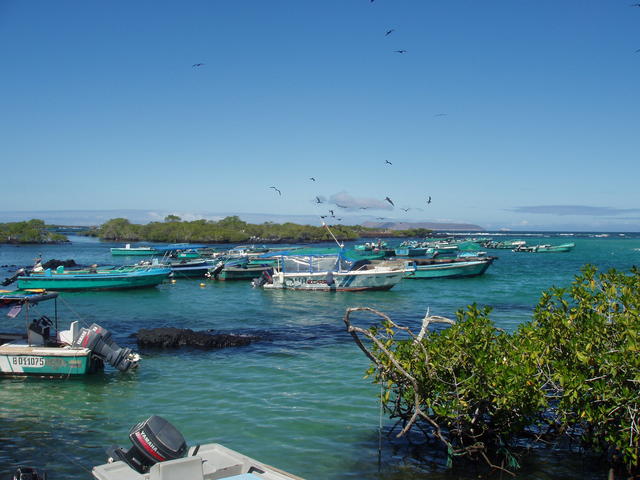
[241, 272]
[447, 267]
[129, 250]
[565, 247]
[45, 351]
[107, 278]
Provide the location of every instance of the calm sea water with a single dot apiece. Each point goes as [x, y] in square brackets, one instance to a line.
[297, 399]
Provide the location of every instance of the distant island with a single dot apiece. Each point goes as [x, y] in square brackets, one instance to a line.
[233, 230]
[230, 229]
[31, 231]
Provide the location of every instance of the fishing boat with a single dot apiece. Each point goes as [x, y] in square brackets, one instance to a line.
[96, 278]
[331, 272]
[160, 452]
[189, 267]
[464, 266]
[546, 248]
[43, 350]
[129, 250]
[505, 245]
[239, 269]
[371, 246]
[410, 251]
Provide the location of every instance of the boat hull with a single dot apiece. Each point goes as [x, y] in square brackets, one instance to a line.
[18, 360]
[342, 281]
[133, 251]
[94, 281]
[240, 273]
[449, 270]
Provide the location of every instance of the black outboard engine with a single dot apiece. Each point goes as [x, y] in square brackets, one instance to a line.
[98, 340]
[10, 280]
[28, 473]
[154, 440]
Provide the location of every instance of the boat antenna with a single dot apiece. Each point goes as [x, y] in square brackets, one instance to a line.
[341, 245]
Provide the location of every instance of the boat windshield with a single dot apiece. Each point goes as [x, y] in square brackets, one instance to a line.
[313, 264]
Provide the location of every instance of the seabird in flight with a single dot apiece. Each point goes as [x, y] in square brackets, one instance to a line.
[279, 192]
[389, 200]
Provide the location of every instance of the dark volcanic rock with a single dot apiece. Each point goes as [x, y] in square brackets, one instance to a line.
[55, 263]
[170, 337]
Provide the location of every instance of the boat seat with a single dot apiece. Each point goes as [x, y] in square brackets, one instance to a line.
[181, 469]
[67, 337]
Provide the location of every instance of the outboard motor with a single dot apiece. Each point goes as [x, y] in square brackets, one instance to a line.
[10, 280]
[28, 473]
[98, 340]
[154, 440]
[264, 278]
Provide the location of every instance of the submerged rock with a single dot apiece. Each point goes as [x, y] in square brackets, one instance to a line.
[170, 337]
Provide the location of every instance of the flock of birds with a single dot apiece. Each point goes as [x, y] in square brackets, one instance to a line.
[318, 200]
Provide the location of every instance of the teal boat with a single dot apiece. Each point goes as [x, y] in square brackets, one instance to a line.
[242, 272]
[410, 252]
[107, 278]
[447, 267]
[129, 250]
[565, 247]
[45, 351]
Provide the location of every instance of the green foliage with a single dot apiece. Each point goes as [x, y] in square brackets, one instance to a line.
[588, 336]
[228, 230]
[573, 369]
[32, 231]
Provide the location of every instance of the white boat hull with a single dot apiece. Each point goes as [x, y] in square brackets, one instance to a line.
[375, 279]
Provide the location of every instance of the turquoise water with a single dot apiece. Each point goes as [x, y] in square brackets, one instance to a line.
[296, 399]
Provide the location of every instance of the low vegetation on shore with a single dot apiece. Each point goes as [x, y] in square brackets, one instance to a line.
[571, 373]
[234, 230]
[31, 231]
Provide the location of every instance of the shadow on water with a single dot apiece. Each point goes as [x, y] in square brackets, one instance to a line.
[413, 457]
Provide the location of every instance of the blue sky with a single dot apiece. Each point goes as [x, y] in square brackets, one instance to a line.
[515, 114]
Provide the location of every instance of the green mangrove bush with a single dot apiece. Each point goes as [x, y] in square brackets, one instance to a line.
[573, 370]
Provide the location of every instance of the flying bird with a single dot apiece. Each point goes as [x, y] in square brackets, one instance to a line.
[323, 216]
[400, 51]
[341, 206]
[312, 179]
[279, 192]
[318, 200]
[387, 161]
[331, 212]
[429, 200]
[405, 209]
[363, 208]
[389, 200]
[389, 32]
[196, 65]
[339, 219]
